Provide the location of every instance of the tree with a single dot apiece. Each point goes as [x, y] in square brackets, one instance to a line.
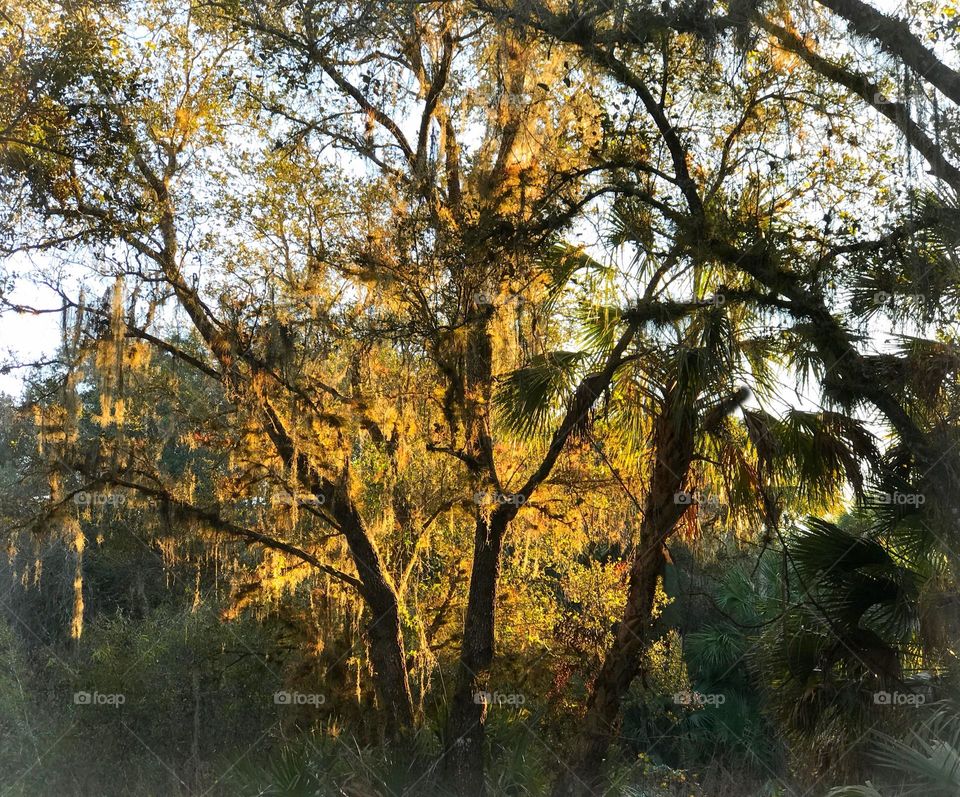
[757, 243]
[407, 277]
[102, 158]
[460, 237]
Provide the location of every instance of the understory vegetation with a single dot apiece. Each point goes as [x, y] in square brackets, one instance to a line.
[480, 398]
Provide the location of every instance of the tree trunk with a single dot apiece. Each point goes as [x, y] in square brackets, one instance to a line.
[384, 632]
[389, 665]
[583, 771]
[465, 732]
[464, 743]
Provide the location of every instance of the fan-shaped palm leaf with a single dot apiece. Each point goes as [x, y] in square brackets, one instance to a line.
[527, 397]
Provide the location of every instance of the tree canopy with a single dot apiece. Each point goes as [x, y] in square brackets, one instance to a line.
[534, 397]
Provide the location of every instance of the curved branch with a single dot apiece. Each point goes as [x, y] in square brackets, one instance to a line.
[894, 36]
[867, 90]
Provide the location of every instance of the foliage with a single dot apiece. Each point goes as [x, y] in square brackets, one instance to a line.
[497, 372]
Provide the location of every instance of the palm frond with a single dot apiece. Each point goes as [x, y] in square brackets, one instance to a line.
[631, 223]
[527, 397]
[598, 326]
[857, 582]
[714, 650]
[561, 262]
[926, 762]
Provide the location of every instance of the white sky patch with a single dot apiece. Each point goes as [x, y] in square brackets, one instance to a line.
[26, 337]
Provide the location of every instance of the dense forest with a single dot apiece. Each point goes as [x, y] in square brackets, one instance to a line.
[480, 397]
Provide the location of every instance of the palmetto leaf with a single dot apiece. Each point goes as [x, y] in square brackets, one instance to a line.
[927, 762]
[737, 595]
[631, 223]
[944, 211]
[929, 363]
[858, 583]
[821, 450]
[758, 353]
[527, 397]
[562, 262]
[801, 354]
[915, 274]
[599, 326]
[824, 547]
[935, 765]
[714, 650]
[829, 444]
[715, 334]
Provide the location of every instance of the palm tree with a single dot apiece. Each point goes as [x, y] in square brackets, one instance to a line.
[670, 416]
[667, 421]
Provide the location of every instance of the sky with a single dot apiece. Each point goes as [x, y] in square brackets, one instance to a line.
[26, 337]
